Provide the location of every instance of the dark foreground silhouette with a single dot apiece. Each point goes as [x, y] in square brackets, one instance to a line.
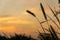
[41, 36]
[17, 37]
[49, 36]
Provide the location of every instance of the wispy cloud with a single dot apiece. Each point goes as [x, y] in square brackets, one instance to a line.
[11, 21]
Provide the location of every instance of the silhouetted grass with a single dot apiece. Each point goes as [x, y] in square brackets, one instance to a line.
[42, 8]
[44, 36]
[52, 35]
[44, 13]
[48, 36]
[36, 18]
[31, 13]
[55, 15]
[59, 1]
[17, 37]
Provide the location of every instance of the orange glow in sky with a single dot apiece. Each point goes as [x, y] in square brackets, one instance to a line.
[15, 19]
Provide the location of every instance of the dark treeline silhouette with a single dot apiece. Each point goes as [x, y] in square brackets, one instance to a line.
[17, 37]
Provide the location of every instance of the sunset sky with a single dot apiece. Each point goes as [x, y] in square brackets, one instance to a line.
[14, 18]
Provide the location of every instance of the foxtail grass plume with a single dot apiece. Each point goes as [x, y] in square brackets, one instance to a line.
[31, 13]
[45, 15]
[36, 18]
[42, 8]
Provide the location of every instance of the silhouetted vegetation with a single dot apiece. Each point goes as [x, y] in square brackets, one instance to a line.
[49, 36]
[59, 1]
[17, 37]
[52, 35]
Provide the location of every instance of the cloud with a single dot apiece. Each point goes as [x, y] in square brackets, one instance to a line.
[11, 21]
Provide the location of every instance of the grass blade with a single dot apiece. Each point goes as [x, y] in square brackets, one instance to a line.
[54, 22]
[54, 35]
[55, 15]
[43, 21]
[40, 36]
[59, 1]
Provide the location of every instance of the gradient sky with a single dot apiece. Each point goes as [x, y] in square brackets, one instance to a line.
[14, 18]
